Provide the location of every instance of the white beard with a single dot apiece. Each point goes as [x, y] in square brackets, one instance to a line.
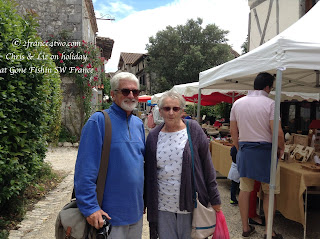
[129, 105]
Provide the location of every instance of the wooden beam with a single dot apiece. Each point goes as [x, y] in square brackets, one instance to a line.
[277, 17]
[257, 20]
[266, 22]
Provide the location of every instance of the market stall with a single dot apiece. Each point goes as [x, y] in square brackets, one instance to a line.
[293, 56]
[294, 180]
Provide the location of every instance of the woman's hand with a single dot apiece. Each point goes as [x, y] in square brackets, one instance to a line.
[217, 208]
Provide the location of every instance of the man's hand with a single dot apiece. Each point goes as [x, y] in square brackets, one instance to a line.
[217, 208]
[95, 219]
[280, 152]
[234, 133]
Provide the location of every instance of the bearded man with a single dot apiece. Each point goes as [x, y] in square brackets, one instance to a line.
[123, 194]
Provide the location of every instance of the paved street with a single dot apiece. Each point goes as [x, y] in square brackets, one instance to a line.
[39, 223]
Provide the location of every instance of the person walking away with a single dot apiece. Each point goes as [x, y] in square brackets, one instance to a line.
[168, 172]
[123, 194]
[251, 125]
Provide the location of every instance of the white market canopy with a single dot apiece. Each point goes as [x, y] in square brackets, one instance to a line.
[191, 90]
[297, 50]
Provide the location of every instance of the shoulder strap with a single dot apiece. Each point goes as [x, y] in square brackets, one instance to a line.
[192, 162]
[101, 180]
[104, 158]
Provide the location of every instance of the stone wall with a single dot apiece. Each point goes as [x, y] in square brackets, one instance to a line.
[70, 110]
[76, 17]
[56, 15]
[88, 32]
[72, 114]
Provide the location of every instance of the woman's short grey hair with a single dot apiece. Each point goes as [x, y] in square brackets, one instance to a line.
[114, 82]
[173, 95]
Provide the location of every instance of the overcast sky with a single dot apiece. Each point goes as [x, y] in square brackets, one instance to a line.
[137, 20]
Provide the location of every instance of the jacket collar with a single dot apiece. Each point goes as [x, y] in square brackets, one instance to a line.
[119, 111]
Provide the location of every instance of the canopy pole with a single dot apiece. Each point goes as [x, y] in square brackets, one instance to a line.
[317, 79]
[199, 104]
[273, 168]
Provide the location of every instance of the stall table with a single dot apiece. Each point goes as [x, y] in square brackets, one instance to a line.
[221, 159]
[294, 181]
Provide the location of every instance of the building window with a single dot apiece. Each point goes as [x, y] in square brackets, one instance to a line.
[142, 80]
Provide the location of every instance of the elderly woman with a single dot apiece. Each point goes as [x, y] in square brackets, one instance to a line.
[168, 172]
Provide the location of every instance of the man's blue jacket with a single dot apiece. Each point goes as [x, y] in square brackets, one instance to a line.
[123, 193]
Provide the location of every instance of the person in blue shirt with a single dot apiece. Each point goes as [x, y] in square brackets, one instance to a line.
[123, 194]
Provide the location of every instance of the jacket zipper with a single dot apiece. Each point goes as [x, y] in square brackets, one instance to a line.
[128, 129]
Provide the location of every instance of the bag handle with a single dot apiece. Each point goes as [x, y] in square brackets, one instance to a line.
[192, 162]
[104, 162]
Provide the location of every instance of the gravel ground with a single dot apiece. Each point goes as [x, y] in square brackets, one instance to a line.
[40, 222]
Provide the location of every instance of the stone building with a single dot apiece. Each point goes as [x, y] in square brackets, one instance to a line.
[268, 18]
[136, 63]
[76, 17]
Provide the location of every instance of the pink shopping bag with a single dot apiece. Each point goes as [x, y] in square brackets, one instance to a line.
[221, 231]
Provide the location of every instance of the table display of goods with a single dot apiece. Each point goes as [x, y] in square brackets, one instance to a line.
[311, 166]
[226, 142]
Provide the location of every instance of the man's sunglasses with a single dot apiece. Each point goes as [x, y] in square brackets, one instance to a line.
[175, 109]
[126, 92]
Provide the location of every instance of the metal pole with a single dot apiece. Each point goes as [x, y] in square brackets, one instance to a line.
[273, 168]
[194, 106]
[305, 214]
[199, 104]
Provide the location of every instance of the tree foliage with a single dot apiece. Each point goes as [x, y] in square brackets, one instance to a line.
[245, 46]
[178, 54]
[30, 101]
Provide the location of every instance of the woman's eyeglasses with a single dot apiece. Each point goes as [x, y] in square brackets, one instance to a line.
[126, 92]
[175, 109]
